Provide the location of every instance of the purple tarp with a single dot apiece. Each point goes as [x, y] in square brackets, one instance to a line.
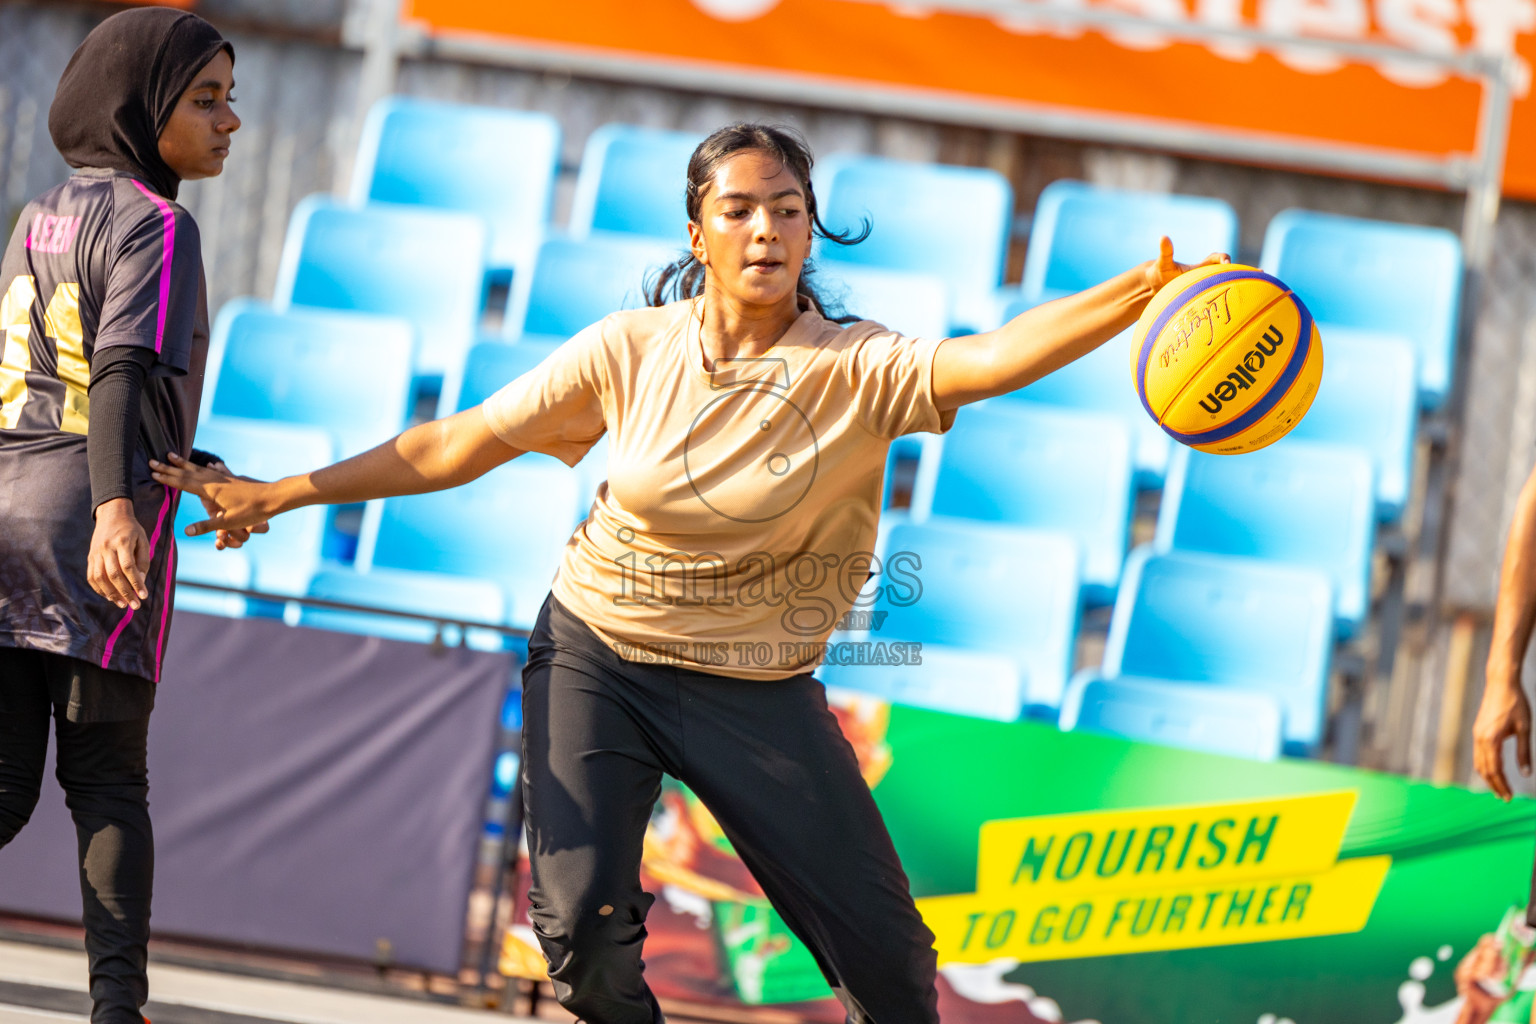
[311, 791]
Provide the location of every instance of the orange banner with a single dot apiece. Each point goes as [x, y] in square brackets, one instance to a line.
[1009, 59]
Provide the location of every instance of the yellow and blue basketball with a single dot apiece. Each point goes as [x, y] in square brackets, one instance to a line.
[1226, 359]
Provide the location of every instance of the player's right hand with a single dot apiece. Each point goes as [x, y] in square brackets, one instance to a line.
[119, 557]
[237, 503]
[1504, 713]
[229, 538]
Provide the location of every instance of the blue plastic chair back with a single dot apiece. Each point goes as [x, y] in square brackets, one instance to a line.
[496, 163]
[434, 595]
[1233, 722]
[577, 283]
[1400, 279]
[510, 527]
[1101, 382]
[349, 373]
[632, 181]
[913, 304]
[1296, 502]
[925, 218]
[1229, 622]
[427, 266]
[284, 559]
[984, 588]
[1367, 398]
[491, 366]
[1046, 469]
[201, 563]
[1083, 235]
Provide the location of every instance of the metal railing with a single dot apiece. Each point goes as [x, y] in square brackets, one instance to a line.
[440, 622]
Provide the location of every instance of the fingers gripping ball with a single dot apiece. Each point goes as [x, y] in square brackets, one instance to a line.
[1226, 359]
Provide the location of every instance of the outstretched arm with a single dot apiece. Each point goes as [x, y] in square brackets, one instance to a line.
[428, 457]
[1050, 335]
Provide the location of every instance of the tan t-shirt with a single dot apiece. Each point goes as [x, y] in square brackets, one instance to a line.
[736, 525]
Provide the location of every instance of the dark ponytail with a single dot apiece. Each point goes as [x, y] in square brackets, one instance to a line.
[685, 278]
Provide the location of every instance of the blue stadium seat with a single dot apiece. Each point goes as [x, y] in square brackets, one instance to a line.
[1083, 234]
[425, 265]
[926, 218]
[1238, 723]
[1296, 502]
[1400, 279]
[632, 181]
[1228, 623]
[491, 366]
[913, 304]
[1047, 469]
[509, 527]
[428, 594]
[994, 607]
[577, 283]
[1101, 382]
[349, 373]
[496, 163]
[283, 560]
[201, 563]
[1367, 398]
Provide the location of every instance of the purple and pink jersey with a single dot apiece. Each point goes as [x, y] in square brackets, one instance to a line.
[98, 262]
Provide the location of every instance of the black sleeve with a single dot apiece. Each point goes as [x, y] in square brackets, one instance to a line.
[117, 381]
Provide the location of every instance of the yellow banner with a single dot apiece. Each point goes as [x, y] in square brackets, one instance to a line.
[1162, 846]
[1026, 926]
[1132, 881]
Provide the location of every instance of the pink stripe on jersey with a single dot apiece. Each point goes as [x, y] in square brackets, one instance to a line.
[168, 216]
[154, 538]
[165, 602]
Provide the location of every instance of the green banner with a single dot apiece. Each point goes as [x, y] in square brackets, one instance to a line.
[1073, 877]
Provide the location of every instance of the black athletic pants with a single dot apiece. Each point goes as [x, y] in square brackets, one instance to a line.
[102, 722]
[771, 764]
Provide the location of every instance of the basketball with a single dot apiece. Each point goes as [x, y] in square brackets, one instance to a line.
[1226, 359]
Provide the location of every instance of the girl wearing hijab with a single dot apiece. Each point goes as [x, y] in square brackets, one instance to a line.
[105, 329]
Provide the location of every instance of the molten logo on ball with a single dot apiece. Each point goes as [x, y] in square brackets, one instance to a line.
[1242, 376]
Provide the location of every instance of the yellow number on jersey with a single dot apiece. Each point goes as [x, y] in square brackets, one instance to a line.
[15, 322]
[61, 322]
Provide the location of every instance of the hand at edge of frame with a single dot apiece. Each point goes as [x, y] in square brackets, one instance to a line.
[1504, 712]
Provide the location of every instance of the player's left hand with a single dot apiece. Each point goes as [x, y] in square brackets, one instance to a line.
[1163, 269]
[229, 538]
[119, 555]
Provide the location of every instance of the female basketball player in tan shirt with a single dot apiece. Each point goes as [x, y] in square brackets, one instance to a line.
[748, 438]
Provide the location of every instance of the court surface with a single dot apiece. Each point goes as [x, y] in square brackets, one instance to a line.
[39, 985]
